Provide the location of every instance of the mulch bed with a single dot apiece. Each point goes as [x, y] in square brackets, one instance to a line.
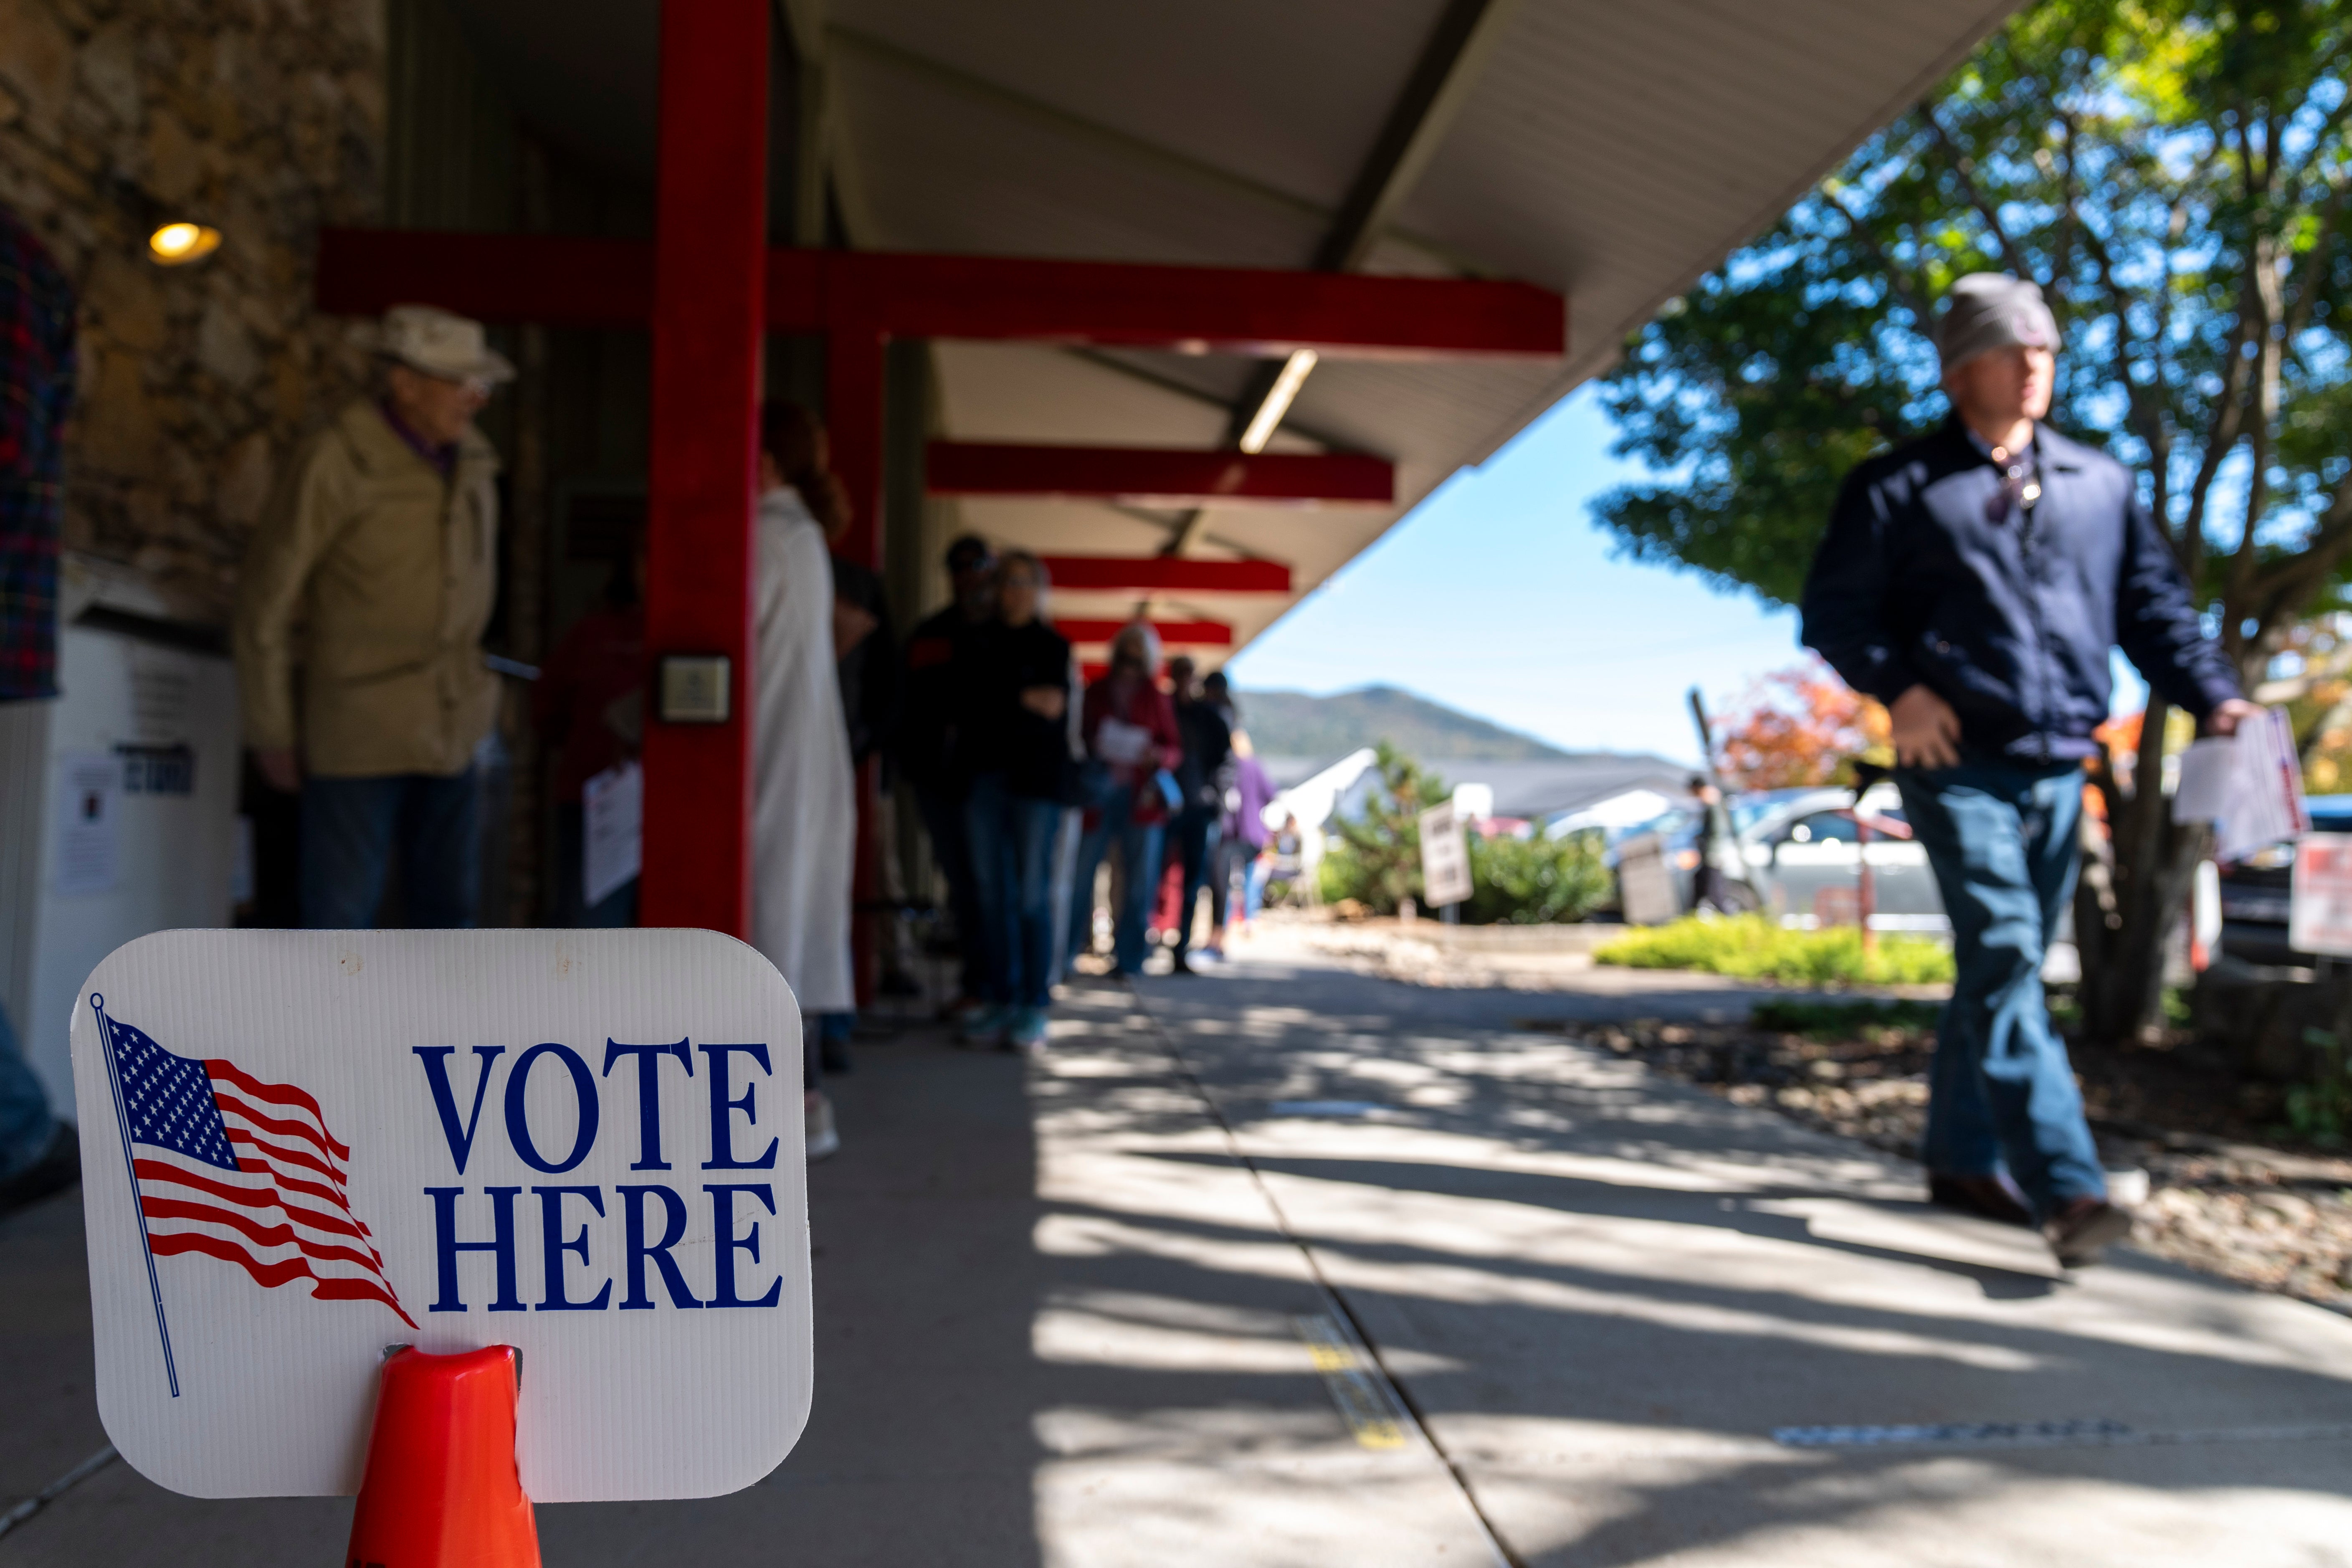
[2230, 1191]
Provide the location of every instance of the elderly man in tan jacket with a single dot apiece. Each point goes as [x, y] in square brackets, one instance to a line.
[359, 625]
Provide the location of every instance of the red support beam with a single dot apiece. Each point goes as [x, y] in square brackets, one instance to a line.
[708, 274]
[554, 279]
[1221, 309]
[1159, 476]
[1172, 634]
[601, 282]
[1165, 574]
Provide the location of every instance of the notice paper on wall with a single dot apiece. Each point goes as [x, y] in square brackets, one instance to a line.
[2248, 786]
[612, 838]
[87, 856]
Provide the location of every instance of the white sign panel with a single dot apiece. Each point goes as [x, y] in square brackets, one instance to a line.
[2319, 918]
[1444, 857]
[300, 1148]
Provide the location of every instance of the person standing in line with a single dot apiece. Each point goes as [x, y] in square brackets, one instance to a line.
[804, 801]
[1202, 777]
[39, 1154]
[1239, 839]
[1018, 751]
[588, 704]
[931, 720]
[377, 558]
[1132, 745]
[1974, 581]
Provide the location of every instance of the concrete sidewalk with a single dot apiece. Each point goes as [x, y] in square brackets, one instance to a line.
[1101, 1309]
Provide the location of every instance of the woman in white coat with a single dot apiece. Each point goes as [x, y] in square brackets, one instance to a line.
[804, 807]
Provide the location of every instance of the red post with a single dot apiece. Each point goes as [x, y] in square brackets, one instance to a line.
[711, 216]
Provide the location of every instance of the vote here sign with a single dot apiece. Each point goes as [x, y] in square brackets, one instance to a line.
[300, 1149]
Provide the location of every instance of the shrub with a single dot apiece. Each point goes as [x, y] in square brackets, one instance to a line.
[1756, 947]
[1843, 1020]
[1538, 880]
[1375, 859]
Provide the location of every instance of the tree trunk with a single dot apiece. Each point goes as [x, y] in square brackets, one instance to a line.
[2125, 908]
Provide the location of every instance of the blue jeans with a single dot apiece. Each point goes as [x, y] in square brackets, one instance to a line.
[1139, 848]
[943, 820]
[1193, 836]
[2001, 1094]
[26, 1125]
[352, 828]
[1013, 840]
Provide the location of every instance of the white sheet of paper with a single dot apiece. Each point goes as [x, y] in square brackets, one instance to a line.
[2265, 802]
[1120, 742]
[2206, 768]
[611, 839]
[87, 857]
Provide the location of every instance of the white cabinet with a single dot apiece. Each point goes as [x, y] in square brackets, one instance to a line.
[119, 818]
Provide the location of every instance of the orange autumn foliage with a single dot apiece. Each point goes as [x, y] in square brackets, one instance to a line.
[1799, 727]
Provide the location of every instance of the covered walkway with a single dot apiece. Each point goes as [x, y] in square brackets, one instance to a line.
[1104, 1308]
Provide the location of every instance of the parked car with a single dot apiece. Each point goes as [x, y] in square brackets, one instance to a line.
[2255, 892]
[1805, 859]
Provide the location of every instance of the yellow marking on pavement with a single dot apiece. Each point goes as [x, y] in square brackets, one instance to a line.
[1360, 1391]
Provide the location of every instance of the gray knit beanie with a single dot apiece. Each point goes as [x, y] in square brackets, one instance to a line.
[1988, 311]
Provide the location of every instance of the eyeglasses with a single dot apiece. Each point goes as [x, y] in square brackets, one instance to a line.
[2021, 484]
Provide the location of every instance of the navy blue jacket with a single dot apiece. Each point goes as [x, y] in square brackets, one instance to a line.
[2009, 616]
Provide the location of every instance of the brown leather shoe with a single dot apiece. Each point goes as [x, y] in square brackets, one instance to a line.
[2085, 1227]
[1988, 1197]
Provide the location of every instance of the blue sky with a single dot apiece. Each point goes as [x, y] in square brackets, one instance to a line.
[1500, 596]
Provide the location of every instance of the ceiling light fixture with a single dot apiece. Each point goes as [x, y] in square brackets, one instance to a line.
[1277, 400]
[177, 244]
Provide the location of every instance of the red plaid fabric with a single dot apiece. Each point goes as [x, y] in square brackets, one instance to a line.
[37, 382]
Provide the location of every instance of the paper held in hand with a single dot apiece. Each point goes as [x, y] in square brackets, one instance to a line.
[2248, 786]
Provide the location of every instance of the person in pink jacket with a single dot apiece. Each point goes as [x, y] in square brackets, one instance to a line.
[1132, 746]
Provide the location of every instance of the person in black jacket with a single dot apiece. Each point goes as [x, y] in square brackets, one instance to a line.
[932, 680]
[1974, 581]
[1208, 768]
[1017, 745]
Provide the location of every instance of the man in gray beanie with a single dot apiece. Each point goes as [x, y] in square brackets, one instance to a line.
[1974, 581]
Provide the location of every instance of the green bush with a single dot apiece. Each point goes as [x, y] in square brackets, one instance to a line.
[1756, 947]
[1375, 859]
[1538, 880]
[1843, 1020]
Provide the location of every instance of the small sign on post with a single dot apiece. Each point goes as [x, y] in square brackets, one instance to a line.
[304, 1149]
[2319, 913]
[1444, 857]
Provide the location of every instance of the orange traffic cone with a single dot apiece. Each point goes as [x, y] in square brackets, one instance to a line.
[441, 1490]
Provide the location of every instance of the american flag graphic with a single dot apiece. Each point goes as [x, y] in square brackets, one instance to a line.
[240, 1170]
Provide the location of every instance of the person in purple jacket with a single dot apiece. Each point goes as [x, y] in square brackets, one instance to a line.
[1243, 837]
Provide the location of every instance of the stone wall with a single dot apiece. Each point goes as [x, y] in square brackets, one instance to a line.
[263, 118]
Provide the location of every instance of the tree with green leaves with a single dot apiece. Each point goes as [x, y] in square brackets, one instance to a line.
[1374, 856]
[2174, 174]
